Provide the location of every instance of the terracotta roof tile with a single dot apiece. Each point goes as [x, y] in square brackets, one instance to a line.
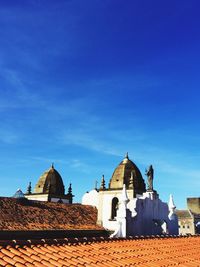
[24, 214]
[17, 264]
[29, 264]
[2, 262]
[27, 258]
[62, 261]
[35, 258]
[39, 250]
[46, 263]
[155, 252]
[19, 259]
[55, 263]
[39, 264]
[8, 253]
[9, 260]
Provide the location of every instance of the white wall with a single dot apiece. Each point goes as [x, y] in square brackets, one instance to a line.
[145, 214]
[43, 197]
[91, 198]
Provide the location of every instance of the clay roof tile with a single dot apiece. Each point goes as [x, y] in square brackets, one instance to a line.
[47, 263]
[9, 260]
[2, 262]
[18, 264]
[116, 252]
[35, 258]
[7, 252]
[25, 215]
[28, 264]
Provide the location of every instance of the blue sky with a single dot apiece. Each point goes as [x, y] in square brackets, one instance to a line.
[83, 82]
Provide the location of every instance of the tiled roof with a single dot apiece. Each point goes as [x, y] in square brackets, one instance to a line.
[153, 252]
[183, 213]
[23, 214]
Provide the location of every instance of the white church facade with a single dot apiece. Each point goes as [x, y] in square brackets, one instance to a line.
[127, 207]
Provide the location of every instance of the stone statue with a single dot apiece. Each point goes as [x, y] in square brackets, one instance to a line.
[149, 174]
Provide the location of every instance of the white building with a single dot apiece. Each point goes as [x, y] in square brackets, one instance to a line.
[128, 208]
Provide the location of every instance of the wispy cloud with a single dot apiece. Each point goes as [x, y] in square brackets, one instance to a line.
[174, 166]
[8, 136]
[79, 165]
[17, 93]
[72, 163]
[89, 142]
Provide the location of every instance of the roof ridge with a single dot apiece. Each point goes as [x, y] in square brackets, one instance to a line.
[85, 240]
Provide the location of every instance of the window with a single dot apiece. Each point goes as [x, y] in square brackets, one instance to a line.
[114, 208]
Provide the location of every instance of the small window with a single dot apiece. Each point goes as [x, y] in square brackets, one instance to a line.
[188, 226]
[114, 208]
[183, 226]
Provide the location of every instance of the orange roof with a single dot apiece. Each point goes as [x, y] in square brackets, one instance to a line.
[24, 214]
[152, 252]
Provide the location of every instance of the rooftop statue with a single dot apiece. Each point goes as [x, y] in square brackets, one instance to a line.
[149, 174]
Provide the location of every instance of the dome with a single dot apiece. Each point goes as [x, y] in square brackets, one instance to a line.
[19, 194]
[50, 183]
[127, 173]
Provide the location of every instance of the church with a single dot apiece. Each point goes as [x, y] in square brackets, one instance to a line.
[52, 233]
[130, 207]
[50, 187]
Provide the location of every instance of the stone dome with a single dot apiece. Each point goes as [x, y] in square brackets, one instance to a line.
[127, 173]
[50, 182]
[19, 194]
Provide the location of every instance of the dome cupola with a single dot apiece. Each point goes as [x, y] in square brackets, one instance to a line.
[50, 182]
[127, 173]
